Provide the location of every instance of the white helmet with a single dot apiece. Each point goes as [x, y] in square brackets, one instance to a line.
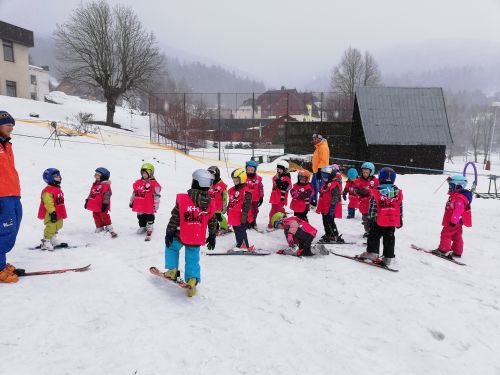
[283, 164]
[204, 178]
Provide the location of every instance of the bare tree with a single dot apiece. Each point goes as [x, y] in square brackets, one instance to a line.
[107, 48]
[353, 70]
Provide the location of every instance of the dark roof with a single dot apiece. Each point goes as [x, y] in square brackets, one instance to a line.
[16, 34]
[403, 115]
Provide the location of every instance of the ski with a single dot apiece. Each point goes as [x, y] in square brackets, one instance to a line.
[288, 252]
[180, 282]
[334, 243]
[62, 245]
[21, 273]
[369, 263]
[242, 252]
[418, 248]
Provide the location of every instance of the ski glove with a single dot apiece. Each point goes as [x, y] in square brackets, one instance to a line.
[210, 242]
[218, 215]
[130, 204]
[344, 196]
[260, 202]
[85, 205]
[169, 238]
[104, 207]
[53, 217]
[314, 202]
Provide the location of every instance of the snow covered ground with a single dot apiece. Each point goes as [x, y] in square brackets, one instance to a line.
[252, 315]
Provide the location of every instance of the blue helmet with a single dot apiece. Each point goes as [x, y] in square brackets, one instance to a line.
[386, 175]
[251, 163]
[457, 182]
[370, 166]
[352, 173]
[49, 174]
[104, 173]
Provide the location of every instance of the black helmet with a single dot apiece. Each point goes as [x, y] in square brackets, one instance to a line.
[215, 171]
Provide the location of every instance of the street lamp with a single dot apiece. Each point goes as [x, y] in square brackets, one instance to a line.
[488, 162]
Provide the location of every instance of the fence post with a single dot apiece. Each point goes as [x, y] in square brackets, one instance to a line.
[218, 119]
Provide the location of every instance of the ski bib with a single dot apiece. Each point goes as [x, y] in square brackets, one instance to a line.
[275, 197]
[96, 196]
[301, 197]
[325, 199]
[353, 197]
[369, 185]
[144, 196]
[388, 209]
[215, 193]
[253, 186]
[58, 197]
[193, 221]
[236, 200]
[453, 200]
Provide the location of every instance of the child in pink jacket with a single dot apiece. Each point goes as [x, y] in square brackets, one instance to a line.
[457, 213]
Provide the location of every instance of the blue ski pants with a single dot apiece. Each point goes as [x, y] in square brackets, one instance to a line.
[191, 256]
[11, 213]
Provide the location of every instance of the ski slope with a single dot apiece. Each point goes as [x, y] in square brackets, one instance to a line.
[252, 315]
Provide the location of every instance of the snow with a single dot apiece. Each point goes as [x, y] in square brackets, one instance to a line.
[252, 315]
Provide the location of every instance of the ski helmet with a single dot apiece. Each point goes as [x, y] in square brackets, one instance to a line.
[148, 168]
[387, 175]
[304, 173]
[104, 173]
[277, 219]
[241, 174]
[251, 163]
[203, 177]
[49, 174]
[352, 173]
[283, 164]
[457, 182]
[369, 166]
[328, 172]
[215, 171]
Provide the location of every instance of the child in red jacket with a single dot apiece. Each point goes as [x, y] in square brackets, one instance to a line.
[330, 204]
[299, 234]
[145, 200]
[457, 213]
[239, 212]
[99, 202]
[256, 188]
[282, 183]
[302, 193]
[352, 174]
[363, 186]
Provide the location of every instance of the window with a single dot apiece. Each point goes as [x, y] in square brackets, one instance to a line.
[11, 88]
[33, 79]
[8, 50]
[33, 95]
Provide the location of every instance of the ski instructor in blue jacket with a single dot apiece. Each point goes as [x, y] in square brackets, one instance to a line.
[10, 199]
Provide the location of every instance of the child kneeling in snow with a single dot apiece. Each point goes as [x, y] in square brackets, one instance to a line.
[52, 210]
[385, 214]
[299, 234]
[192, 214]
[457, 213]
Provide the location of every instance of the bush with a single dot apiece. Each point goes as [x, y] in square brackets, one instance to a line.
[82, 122]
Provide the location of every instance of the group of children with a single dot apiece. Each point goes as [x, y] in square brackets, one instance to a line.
[209, 200]
[145, 201]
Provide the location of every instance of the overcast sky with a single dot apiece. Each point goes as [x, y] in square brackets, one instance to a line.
[286, 41]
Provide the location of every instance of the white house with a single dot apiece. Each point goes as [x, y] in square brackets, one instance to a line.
[39, 82]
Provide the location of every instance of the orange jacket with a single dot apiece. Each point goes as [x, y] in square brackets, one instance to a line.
[321, 156]
[9, 179]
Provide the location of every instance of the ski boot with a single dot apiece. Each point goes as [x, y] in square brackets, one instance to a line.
[99, 230]
[55, 241]
[141, 230]
[192, 287]
[172, 274]
[149, 231]
[443, 253]
[338, 239]
[8, 276]
[109, 229]
[46, 245]
[366, 255]
[383, 261]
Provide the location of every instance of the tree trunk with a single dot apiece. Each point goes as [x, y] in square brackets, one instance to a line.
[110, 110]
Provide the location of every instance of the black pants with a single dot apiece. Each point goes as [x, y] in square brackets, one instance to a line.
[241, 235]
[302, 215]
[304, 239]
[145, 219]
[373, 242]
[329, 225]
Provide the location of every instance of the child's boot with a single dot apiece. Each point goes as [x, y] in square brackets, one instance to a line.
[192, 287]
[7, 276]
[55, 241]
[46, 245]
[172, 274]
[367, 255]
[99, 230]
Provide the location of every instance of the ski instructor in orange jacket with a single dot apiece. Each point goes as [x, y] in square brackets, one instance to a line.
[10, 199]
[320, 159]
